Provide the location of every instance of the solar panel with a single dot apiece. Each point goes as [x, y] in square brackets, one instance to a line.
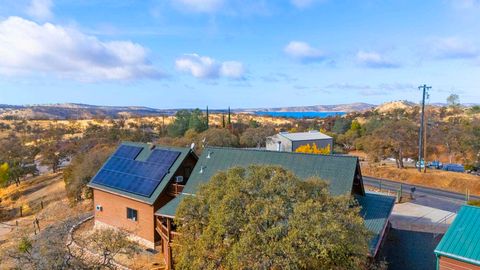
[161, 156]
[128, 151]
[124, 173]
[126, 182]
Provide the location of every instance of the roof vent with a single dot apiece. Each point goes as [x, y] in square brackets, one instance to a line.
[202, 168]
[209, 155]
[179, 179]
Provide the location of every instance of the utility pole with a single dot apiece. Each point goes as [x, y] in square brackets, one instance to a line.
[424, 88]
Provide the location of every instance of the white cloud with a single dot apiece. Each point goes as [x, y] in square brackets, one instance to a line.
[304, 3]
[40, 9]
[204, 67]
[26, 47]
[303, 52]
[200, 6]
[375, 60]
[453, 48]
[232, 69]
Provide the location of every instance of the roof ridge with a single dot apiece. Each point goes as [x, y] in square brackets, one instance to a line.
[154, 144]
[283, 152]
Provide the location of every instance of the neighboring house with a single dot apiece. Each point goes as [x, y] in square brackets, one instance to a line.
[289, 142]
[135, 182]
[460, 246]
[342, 172]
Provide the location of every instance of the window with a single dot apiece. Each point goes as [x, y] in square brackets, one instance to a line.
[132, 214]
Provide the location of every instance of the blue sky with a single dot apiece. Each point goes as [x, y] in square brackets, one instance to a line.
[238, 53]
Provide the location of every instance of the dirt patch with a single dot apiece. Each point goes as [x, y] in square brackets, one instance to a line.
[452, 181]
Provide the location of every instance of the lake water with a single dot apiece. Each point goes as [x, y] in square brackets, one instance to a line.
[301, 114]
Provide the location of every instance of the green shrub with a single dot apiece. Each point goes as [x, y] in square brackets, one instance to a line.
[474, 203]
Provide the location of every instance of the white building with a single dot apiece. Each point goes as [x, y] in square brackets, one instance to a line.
[289, 142]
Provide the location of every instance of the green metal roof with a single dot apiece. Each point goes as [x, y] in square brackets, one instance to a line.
[462, 240]
[376, 209]
[142, 156]
[169, 209]
[339, 171]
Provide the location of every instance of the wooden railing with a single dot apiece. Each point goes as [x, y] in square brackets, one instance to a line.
[175, 189]
[163, 230]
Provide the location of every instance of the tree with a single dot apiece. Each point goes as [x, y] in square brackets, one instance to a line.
[48, 250]
[341, 125]
[111, 242]
[18, 156]
[184, 120]
[82, 169]
[219, 137]
[453, 100]
[256, 137]
[4, 171]
[313, 149]
[52, 156]
[396, 138]
[285, 223]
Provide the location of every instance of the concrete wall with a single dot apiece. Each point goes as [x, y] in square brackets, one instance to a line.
[272, 143]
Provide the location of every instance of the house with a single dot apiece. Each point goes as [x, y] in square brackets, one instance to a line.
[342, 172]
[460, 246]
[289, 142]
[135, 182]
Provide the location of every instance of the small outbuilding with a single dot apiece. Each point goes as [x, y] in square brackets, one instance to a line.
[289, 142]
[460, 246]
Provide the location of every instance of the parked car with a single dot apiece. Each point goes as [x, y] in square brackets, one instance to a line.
[435, 165]
[454, 167]
[420, 164]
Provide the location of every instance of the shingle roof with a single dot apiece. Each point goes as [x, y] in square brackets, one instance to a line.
[462, 240]
[304, 136]
[143, 156]
[376, 209]
[339, 171]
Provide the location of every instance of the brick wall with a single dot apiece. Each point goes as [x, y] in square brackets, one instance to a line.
[446, 263]
[114, 213]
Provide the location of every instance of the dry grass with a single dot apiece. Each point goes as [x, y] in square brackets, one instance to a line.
[452, 181]
[47, 188]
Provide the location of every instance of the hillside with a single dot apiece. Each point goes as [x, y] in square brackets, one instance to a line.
[84, 111]
[395, 105]
[351, 107]
[75, 111]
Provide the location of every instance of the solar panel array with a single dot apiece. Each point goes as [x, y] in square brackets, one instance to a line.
[128, 151]
[124, 173]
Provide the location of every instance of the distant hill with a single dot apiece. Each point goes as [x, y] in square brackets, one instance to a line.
[393, 105]
[85, 111]
[352, 107]
[75, 111]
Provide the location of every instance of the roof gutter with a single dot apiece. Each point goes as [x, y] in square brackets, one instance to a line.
[456, 257]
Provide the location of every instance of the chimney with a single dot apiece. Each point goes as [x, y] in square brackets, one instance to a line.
[279, 146]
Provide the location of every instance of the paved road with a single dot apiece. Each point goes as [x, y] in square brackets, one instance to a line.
[441, 199]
